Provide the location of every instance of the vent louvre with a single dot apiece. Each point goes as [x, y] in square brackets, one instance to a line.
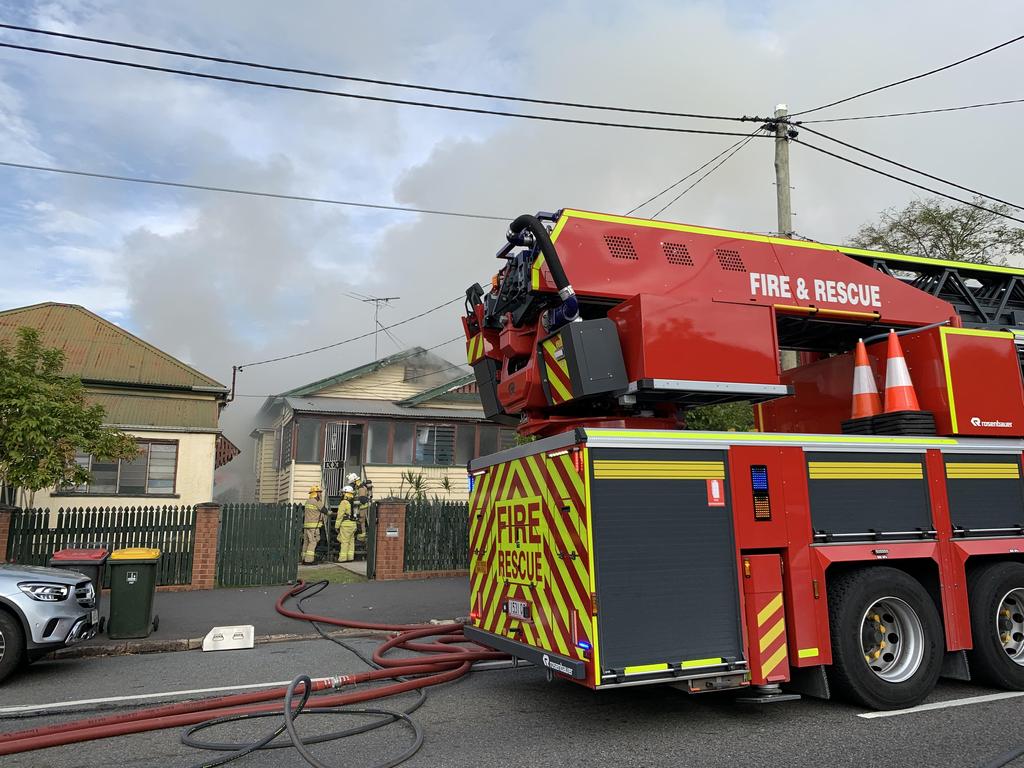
[620, 247]
[677, 253]
[730, 260]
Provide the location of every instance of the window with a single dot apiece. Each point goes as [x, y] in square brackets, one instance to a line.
[307, 442]
[488, 439]
[465, 444]
[402, 452]
[377, 442]
[435, 444]
[286, 445]
[506, 438]
[150, 473]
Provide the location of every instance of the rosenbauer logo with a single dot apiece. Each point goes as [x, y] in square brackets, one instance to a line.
[976, 422]
[556, 665]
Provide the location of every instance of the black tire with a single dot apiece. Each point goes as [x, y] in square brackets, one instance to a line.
[849, 598]
[12, 647]
[989, 662]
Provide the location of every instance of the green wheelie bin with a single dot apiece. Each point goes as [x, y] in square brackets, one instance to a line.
[132, 588]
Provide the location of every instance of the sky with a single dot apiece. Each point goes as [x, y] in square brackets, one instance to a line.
[221, 280]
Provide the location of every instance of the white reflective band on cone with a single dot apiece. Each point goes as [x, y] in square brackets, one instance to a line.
[864, 381]
[896, 373]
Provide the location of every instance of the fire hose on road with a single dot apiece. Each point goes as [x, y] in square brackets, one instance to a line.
[444, 658]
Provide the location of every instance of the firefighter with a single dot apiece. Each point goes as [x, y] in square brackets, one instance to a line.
[311, 525]
[363, 490]
[346, 525]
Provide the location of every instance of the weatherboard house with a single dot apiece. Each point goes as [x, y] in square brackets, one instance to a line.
[411, 414]
[170, 408]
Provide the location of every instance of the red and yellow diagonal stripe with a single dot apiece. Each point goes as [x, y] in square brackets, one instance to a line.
[773, 665]
[474, 348]
[556, 371]
[560, 600]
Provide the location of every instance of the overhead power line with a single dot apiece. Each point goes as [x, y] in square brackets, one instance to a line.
[251, 192]
[692, 173]
[913, 77]
[362, 96]
[907, 181]
[714, 168]
[913, 170]
[354, 338]
[907, 114]
[365, 80]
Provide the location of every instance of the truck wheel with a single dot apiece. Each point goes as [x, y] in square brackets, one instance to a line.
[12, 644]
[887, 639]
[996, 594]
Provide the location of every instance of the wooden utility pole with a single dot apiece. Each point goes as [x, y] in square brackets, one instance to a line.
[784, 203]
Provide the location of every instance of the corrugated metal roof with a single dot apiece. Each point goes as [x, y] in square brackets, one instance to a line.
[154, 411]
[356, 407]
[97, 350]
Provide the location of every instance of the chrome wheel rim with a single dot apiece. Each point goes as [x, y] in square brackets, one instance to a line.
[1010, 625]
[892, 639]
[3, 646]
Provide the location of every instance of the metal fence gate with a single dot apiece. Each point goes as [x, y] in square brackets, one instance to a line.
[170, 529]
[437, 536]
[258, 544]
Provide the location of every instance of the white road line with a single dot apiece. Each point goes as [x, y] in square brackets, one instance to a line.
[944, 704]
[137, 697]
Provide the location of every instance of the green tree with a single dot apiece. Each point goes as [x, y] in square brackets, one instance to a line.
[726, 417]
[940, 230]
[44, 419]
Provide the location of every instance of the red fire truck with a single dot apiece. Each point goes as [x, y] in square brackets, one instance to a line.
[819, 554]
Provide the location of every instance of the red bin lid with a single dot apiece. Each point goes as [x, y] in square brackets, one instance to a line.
[80, 554]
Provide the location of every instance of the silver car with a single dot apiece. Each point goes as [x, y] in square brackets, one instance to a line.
[42, 609]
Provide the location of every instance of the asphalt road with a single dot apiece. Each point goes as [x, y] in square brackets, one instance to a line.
[516, 718]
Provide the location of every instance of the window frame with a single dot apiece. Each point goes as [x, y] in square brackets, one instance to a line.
[79, 490]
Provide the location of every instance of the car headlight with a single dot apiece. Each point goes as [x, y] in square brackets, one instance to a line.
[47, 593]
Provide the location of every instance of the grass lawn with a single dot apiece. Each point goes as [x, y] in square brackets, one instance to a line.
[332, 573]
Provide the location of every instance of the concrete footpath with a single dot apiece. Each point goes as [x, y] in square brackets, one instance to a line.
[186, 617]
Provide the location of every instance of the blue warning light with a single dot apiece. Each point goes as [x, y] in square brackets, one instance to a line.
[583, 644]
[759, 478]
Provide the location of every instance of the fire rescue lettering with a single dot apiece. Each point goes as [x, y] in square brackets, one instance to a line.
[520, 557]
[828, 291]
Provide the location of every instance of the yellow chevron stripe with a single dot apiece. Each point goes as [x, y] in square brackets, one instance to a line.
[560, 564]
[558, 389]
[772, 634]
[574, 476]
[773, 661]
[769, 610]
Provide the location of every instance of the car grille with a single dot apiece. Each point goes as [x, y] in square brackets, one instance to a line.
[85, 594]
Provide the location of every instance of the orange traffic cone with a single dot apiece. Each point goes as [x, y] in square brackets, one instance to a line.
[866, 401]
[899, 390]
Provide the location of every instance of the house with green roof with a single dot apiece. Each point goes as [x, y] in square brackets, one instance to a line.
[170, 408]
[412, 411]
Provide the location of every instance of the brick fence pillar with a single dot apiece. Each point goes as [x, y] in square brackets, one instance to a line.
[204, 557]
[390, 555]
[5, 529]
